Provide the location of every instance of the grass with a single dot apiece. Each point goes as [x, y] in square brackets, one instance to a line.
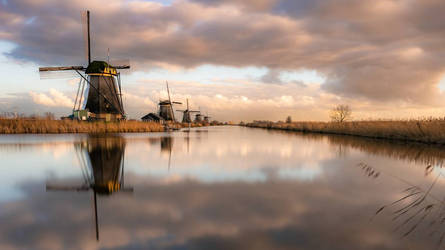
[430, 131]
[49, 126]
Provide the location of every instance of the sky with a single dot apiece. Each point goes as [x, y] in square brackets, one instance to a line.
[235, 60]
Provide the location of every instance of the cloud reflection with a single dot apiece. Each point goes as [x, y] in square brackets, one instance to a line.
[313, 198]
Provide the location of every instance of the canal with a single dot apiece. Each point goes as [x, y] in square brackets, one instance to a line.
[219, 188]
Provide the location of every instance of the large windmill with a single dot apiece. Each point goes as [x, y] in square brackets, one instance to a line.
[99, 95]
[166, 108]
[186, 118]
[102, 162]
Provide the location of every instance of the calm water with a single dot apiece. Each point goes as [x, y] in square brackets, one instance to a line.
[219, 188]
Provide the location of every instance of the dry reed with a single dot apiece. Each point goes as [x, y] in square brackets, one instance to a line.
[431, 131]
[48, 126]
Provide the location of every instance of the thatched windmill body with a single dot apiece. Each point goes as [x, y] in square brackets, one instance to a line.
[99, 95]
[166, 107]
[186, 118]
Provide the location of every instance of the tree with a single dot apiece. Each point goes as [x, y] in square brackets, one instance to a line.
[341, 113]
[289, 119]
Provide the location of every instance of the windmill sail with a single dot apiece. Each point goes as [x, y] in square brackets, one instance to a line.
[102, 97]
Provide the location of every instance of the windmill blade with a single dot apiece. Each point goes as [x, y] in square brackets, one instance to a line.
[66, 74]
[177, 103]
[168, 92]
[41, 69]
[171, 105]
[96, 219]
[120, 64]
[85, 17]
[50, 187]
[127, 190]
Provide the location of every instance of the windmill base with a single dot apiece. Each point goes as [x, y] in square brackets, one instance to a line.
[106, 117]
[85, 115]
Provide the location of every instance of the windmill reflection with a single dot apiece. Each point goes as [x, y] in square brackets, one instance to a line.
[166, 148]
[102, 162]
[166, 143]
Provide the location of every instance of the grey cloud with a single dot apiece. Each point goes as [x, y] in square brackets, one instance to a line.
[382, 50]
[273, 76]
[194, 215]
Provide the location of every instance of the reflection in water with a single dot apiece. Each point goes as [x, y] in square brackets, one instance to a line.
[102, 163]
[233, 188]
[413, 152]
[166, 143]
[417, 209]
[167, 147]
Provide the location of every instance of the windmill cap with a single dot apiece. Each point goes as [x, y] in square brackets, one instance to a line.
[99, 67]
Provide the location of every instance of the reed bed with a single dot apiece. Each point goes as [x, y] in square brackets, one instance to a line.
[48, 126]
[431, 131]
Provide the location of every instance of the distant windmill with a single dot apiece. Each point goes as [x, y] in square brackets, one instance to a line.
[102, 162]
[166, 107]
[99, 86]
[186, 118]
[198, 117]
[207, 118]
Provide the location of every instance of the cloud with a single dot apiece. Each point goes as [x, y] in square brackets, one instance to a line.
[54, 99]
[384, 52]
[276, 213]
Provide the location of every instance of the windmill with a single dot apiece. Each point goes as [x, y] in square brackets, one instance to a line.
[186, 118]
[102, 163]
[166, 108]
[99, 95]
[198, 117]
[207, 118]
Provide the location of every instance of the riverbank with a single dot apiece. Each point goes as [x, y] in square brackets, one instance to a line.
[430, 131]
[47, 126]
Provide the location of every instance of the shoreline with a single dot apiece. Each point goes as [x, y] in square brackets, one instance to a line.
[430, 132]
[45, 126]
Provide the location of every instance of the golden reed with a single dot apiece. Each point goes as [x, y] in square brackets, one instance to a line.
[47, 126]
[431, 130]
[41, 125]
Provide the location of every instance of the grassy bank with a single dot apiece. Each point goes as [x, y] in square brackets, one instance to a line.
[431, 131]
[47, 126]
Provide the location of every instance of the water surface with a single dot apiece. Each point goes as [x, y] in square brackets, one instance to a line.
[219, 188]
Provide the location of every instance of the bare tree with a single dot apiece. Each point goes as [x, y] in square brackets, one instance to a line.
[341, 113]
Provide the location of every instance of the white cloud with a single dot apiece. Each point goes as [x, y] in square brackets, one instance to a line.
[53, 99]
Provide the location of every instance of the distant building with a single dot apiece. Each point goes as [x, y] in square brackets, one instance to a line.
[152, 117]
